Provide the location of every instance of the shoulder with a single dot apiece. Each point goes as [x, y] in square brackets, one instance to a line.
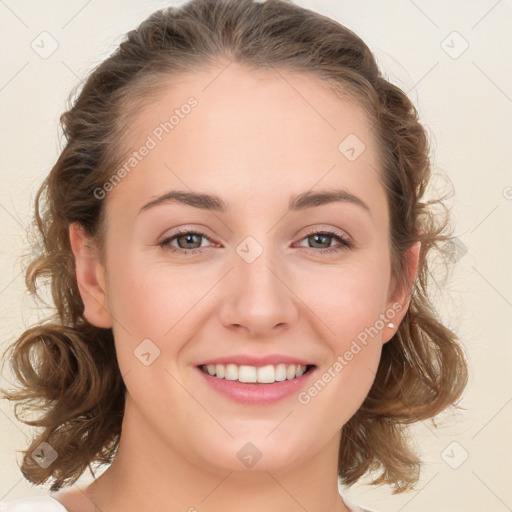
[352, 507]
[32, 504]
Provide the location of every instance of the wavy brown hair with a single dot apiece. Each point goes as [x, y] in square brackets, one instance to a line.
[66, 369]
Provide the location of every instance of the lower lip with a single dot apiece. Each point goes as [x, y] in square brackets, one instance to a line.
[257, 394]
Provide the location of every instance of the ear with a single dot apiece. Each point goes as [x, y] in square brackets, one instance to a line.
[90, 276]
[400, 298]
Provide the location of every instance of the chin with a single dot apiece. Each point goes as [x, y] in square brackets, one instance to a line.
[255, 453]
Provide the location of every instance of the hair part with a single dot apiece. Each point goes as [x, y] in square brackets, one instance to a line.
[79, 389]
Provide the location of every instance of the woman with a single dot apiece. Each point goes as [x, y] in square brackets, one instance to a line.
[237, 238]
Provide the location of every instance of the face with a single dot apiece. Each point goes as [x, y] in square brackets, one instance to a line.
[267, 274]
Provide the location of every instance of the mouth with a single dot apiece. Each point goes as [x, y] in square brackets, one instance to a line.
[268, 374]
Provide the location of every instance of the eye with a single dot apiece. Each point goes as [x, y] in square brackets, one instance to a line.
[187, 242]
[325, 237]
[190, 242]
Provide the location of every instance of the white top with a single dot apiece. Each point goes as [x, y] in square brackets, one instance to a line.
[33, 504]
[50, 504]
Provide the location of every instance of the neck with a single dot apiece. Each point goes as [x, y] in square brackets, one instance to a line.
[149, 473]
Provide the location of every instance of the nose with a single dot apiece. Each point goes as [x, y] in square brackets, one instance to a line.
[260, 299]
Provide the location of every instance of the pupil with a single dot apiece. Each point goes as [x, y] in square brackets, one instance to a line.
[189, 238]
[316, 237]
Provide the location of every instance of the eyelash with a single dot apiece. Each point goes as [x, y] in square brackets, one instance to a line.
[345, 243]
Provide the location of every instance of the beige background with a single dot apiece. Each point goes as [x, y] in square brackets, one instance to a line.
[466, 102]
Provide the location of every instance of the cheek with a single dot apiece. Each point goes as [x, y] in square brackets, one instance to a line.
[150, 299]
[163, 301]
[160, 303]
[352, 311]
[347, 299]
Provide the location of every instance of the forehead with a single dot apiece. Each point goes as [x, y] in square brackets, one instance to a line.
[246, 132]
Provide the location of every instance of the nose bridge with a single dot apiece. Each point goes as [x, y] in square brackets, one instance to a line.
[260, 298]
[258, 267]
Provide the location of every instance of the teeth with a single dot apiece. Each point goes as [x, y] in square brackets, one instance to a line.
[247, 373]
[300, 371]
[280, 372]
[252, 374]
[231, 372]
[219, 370]
[266, 374]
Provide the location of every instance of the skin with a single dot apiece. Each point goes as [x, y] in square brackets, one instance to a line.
[254, 140]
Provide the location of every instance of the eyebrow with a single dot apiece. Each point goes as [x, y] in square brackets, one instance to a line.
[214, 203]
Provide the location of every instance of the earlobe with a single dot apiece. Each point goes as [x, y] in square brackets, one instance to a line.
[400, 300]
[90, 278]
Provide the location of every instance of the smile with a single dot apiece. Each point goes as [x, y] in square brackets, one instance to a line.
[252, 374]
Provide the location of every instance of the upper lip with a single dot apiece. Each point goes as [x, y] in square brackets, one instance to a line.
[250, 360]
